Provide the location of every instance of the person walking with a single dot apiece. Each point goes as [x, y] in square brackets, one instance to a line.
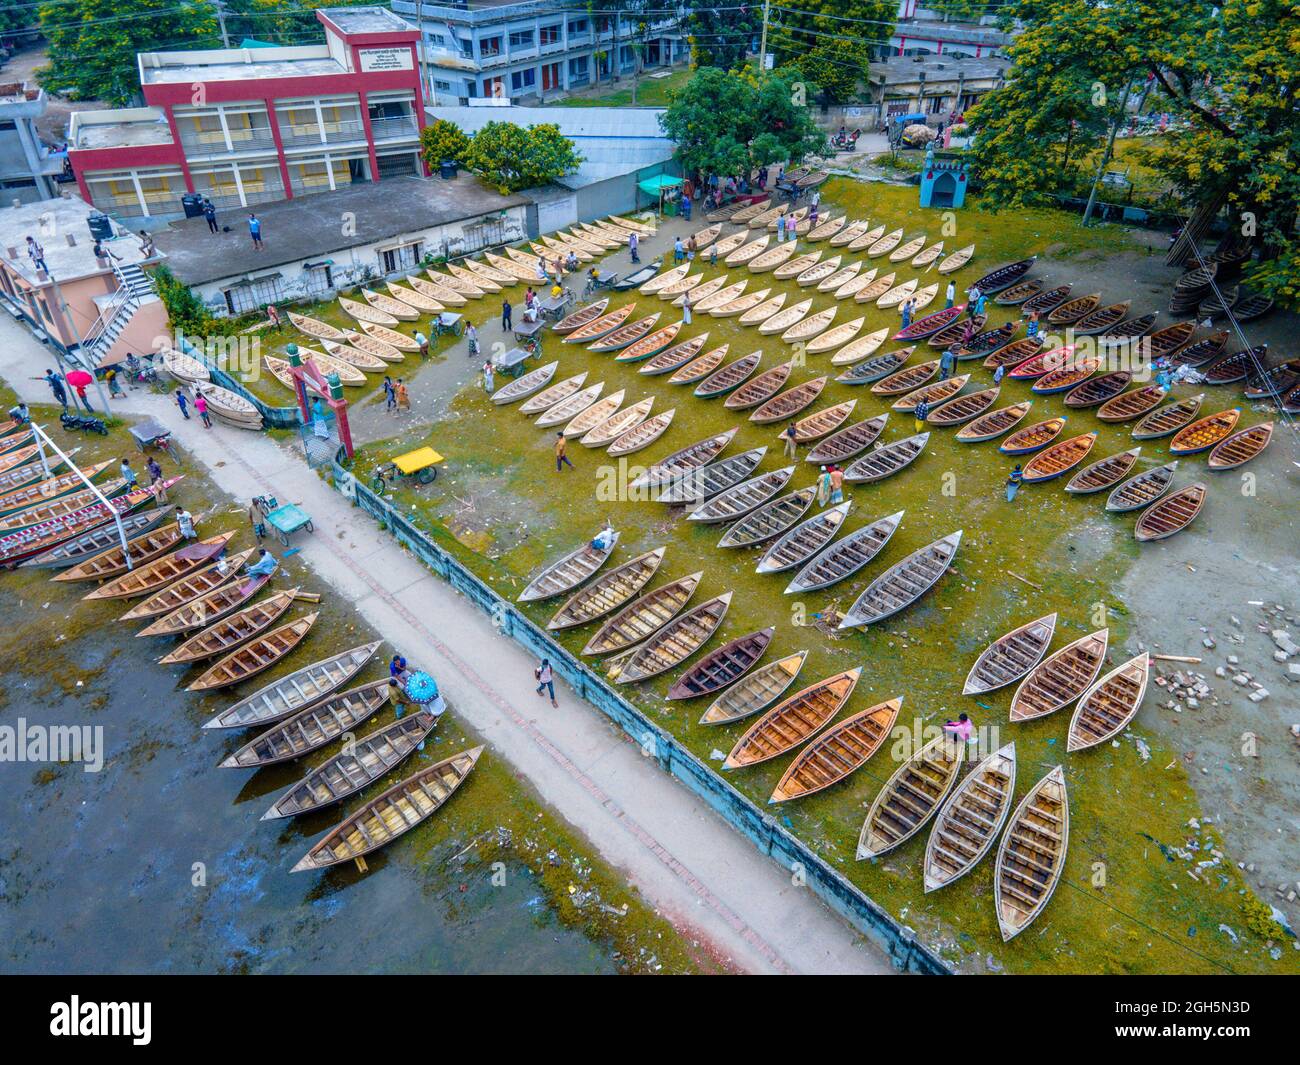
[81, 395]
[561, 447]
[837, 485]
[423, 341]
[950, 294]
[390, 395]
[210, 213]
[907, 313]
[823, 487]
[790, 437]
[633, 242]
[980, 304]
[402, 396]
[545, 678]
[37, 255]
[686, 308]
[183, 402]
[110, 378]
[507, 315]
[128, 475]
[201, 406]
[471, 340]
[1013, 482]
[946, 362]
[780, 229]
[489, 383]
[255, 231]
[56, 386]
[919, 414]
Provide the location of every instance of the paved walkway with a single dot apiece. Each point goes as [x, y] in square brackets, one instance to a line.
[685, 860]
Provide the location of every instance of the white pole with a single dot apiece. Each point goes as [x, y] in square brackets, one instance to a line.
[44, 438]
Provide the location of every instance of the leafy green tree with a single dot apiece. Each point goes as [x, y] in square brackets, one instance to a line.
[833, 70]
[443, 140]
[730, 122]
[720, 35]
[185, 310]
[795, 30]
[18, 21]
[513, 157]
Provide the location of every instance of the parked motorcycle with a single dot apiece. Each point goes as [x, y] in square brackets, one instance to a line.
[81, 423]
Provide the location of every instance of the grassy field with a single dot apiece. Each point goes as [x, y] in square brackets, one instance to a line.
[650, 92]
[1127, 903]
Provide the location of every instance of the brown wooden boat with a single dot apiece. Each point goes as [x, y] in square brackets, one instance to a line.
[625, 335]
[1045, 301]
[1238, 366]
[700, 367]
[1032, 854]
[1145, 488]
[1060, 678]
[722, 667]
[1101, 319]
[910, 797]
[1199, 352]
[549, 397]
[907, 379]
[679, 463]
[1011, 656]
[1240, 447]
[1033, 437]
[44, 490]
[820, 423]
[962, 409]
[162, 571]
[199, 582]
[768, 520]
[1018, 292]
[754, 690]
[43, 512]
[312, 728]
[988, 340]
[844, 444]
[642, 435]
[1015, 353]
[885, 460]
[760, 389]
[40, 541]
[932, 394]
[1073, 310]
[1074, 372]
[1168, 419]
[800, 543]
[968, 823]
[600, 326]
[112, 563]
[1276, 382]
[1169, 339]
[1058, 459]
[251, 658]
[903, 583]
[1171, 515]
[1105, 473]
[392, 814]
[1131, 404]
[1098, 390]
[207, 608]
[994, 424]
[608, 592]
[1127, 332]
[223, 636]
[846, 556]
[649, 345]
[1204, 434]
[567, 572]
[723, 380]
[709, 480]
[953, 334]
[793, 720]
[643, 617]
[789, 403]
[837, 752]
[1109, 705]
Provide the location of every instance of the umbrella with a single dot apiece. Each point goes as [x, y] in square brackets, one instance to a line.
[79, 379]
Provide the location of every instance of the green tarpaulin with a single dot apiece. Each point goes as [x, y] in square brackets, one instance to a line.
[655, 185]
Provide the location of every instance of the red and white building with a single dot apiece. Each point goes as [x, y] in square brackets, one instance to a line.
[244, 126]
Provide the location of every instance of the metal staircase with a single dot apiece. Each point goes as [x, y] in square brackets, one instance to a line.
[134, 287]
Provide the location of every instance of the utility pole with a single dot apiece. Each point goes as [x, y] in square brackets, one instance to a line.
[1106, 155]
[424, 74]
[762, 47]
[220, 5]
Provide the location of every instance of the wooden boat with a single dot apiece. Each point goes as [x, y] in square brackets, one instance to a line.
[759, 390]
[1100, 320]
[392, 814]
[808, 327]
[583, 316]
[143, 548]
[729, 377]
[956, 260]
[1058, 459]
[549, 397]
[837, 752]
[704, 302]
[907, 249]
[231, 407]
[817, 272]
[699, 367]
[740, 499]
[82, 546]
[251, 658]
[706, 236]
[749, 251]
[1032, 854]
[651, 344]
[826, 230]
[954, 335]
[1254, 305]
[314, 327]
[898, 294]
[1108, 706]
[682, 462]
[391, 337]
[841, 276]
[50, 489]
[1240, 447]
[903, 583]
[709, 480]
[886, 460]
[764, 310]
[727, 245]
[233, 630]
[184, 367]
[885, 244]
[907, 379]
[206, 608]
[932, 394]
[793, 720]
[526, 260]
[687, 284]
[643, 617]
[923, 297]
[39, 540]
[1074, 372]
[1043, 302]
[783, 319]
[792, 219]
[1201, 351]
[867, 371]
[641, 435]
[327, 364]
[162, 571]
[379, 348]
[312, 728]
[857, 350]
[850, 232]
[1004, 276]
[456, 283]
[1130, 404]
[645, 229]
[663, 280]
[1010, 656]
[356, 767]
[598, 327]
[492, 273]
[789, 403]
[43, 512]
[994, 424]
[671, 645]
[1105, 473]
[1275, 383]
[931, 323]
[968, 823]
[478, 278]
[364, 312]
[740, 305]
[1127, 332]
[567, 572]
[1073, 310]
[27, 468]
[1060, 678]
[1204, 434]
[1171, 515]
[748, 214]
[844, 444]
[812, 180]
[414, 299]
[988, 340]
[800, 543]
[820, 423]
[754, 691]
[617, 424]
[961, 409]
[772, 519]
[928, 255]
[1168, 419]
[608, 592]
[910, 797]
[1020, 292]
[357, 357]
[1169, 339]
[795, 266]
[845, 557]
[871, 292]
[625, 335]
[863, 241]
[853, 285]
[1145, 488]
[1237, 366]
[521, 387]
[566, 410]
[1033, 437]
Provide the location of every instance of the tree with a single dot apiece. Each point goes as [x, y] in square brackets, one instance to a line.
[441, 140]
[795, 30]
[720, 36]
[833, 70]
[515, 157]
[185, 310]
[729, 122]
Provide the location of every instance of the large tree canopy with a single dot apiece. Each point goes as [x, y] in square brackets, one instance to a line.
[728, 122]
[1227, 71]
[720, 34]
[797, 29]
[515, 157]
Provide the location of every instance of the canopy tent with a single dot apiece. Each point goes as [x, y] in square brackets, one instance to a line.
[659, 187]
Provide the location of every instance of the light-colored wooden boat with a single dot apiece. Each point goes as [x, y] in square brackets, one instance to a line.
[792, 220]
[749, 251]
[720, 380]
[898, 294]
[643, 617]
[840, 277]
[251, 658]
[641, 435]
[312, 728]
[478, 278]
[826, 230]
[381, 349]
[932, 394]
[1104, 473]
[582, 316]
[491, 273]
[709, 480]
[681, 462]
[224, 635]
[549, 397]
[706, 236]
[923, 297]
[668, 277]
[433, 291]
[727, 245]
[796, 265]
[694, 369]
[162, 571]
[677, 288]
[789, 403]
[845, 557]
[910, 797]
[885, 244]
[807, 328]
[596, 414]
[1060, 678]
[1058, 459]
[358, 357]
[956, 260]
[970, 819]
[644, 227]
[723, 297]
[650, 344]
[1106, 708]
[527, 260]
[206, 608]
[838, 752]
[703, 293]
[783, 319]
[288, 694]
[364, 312]
[314, 327]
[863, 347]
[928, 255]
[1202, 435]
[770, 520]
[903, 583]
[886, 460]
[457, 283]
[506, 265]
[608, 592]
[819, 271]
[844, 444]
[414, 299]
[1032, 437]
[184, 367]
[772, 258]
[231, 407]
[823, 422]
[567, 572]
[850, 232]
[601, 326]
[391, 337]
[521, 387]
[738, 500]
[793, 720]
[675, 642]
[1137, 492]
[327, 364]
[850, 287]
[1171, 515]
[1240, 447]
[754, 691]
[758, 390]
[800, 543]
[1031, 855]
[764, 311]
[1012, 655]
[908, 249]
[750, 213]
[617, 424]
[877, 288]
[572, 406]
[143, 548]
[740, 305]
[867, 239]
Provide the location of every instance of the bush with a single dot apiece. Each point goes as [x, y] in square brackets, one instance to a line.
[443, 140]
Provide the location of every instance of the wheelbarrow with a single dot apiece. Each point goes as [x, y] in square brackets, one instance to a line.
[420, 466]
[288, 519]
[448, 322]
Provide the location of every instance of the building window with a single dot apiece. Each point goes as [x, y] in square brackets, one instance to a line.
[320, 278]
[442, 86]
[578, 69]
[483, 235]
[523, 80]
[578, 26]
[404, 164]
[403, 258]
[438, 40]
[520, 39]
[249, 297]
[550, 34]
[625, 55]
[489, 46]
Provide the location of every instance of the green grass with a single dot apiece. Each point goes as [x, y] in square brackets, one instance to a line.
[650, 92]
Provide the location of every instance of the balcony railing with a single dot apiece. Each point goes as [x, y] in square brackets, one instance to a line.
[212, 142]
[297, 134]
[392, 129]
